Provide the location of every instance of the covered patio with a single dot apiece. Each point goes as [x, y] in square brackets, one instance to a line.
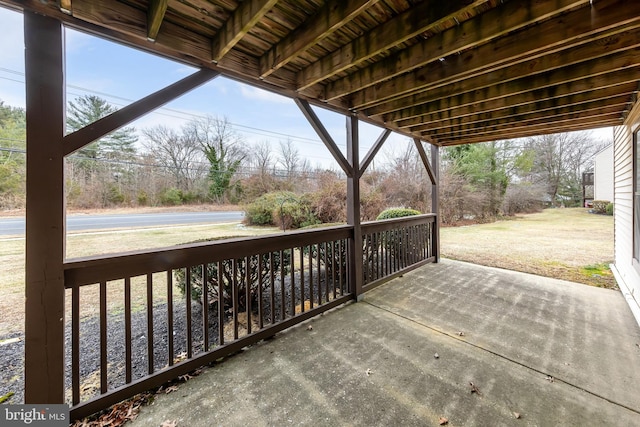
[441, 73]
[476, 345]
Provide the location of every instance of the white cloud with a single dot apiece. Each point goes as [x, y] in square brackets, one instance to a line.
[262, 95]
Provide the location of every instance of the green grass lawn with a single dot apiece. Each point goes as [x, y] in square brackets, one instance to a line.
[569, 244]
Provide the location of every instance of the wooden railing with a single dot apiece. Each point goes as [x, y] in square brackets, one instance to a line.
[394, 246]
[164, 313]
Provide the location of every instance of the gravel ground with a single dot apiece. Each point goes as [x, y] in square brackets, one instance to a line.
[12, 346]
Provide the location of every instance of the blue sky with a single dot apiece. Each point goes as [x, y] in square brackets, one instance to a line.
[122, 75]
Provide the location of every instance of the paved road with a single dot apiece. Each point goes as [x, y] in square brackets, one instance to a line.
[16, 226]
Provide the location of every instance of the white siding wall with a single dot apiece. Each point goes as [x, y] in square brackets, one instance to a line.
[627, 274]
[603, 175]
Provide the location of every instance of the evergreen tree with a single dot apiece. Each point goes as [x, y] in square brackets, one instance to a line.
[118, 145]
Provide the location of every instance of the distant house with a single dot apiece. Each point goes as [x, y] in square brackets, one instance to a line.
[626, 268]
[603, 174]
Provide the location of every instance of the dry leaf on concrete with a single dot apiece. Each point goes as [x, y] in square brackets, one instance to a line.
[169, 423]
[443, 421]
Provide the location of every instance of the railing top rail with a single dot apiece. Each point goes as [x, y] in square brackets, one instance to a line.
[389, 224]
[94, 269]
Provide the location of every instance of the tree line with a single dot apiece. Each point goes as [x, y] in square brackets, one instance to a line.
[207, 161]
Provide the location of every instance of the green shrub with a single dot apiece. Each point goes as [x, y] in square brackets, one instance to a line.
[143, 198]
[600, 206]
[113, 195]
[397, 213]
[280, 208]
[609, 209]
[171, 196]
[260, 268]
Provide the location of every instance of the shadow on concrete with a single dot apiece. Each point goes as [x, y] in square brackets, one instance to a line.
[478, 346]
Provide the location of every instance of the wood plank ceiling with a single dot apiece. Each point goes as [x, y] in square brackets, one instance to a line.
[446, 72]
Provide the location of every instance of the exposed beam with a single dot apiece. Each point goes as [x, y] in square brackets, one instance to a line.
[243, 19]
[535, 110]
[534, 50]
[374, 150]
[539, 101]
[333, 15]
[316, 124]
[425, 160]
[155, 16]
[495, 23]
[599, 73]
[515, 123]
[529, 131]
[423, 17]
[78, 139]
[126, 24]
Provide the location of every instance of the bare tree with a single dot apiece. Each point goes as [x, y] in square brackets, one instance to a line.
[559, 160]
[289, 158]
[262, 158]
[180, 155]
[222, 147]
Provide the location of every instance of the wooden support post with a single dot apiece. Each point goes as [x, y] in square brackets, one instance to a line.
[45, 215]
[435, 199]
[353, 208]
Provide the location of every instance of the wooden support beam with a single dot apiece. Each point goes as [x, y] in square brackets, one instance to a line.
[78, 139]
[544, 101]
[374, 150]
[155, 16]
[550, 45]
[118, 21]
[583, 77]
[333, 15]
[354, 245]
[424, 17]
[493, 24]
[525, 113]
[315, 122]
[243, 19]
[515, 124]
[529, 131]
[435, 201]
[425, 160]
[45, 214]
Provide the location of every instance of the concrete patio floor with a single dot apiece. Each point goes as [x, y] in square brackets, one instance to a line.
[538, 352]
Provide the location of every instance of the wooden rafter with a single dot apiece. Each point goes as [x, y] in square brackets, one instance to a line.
[243, 19]
[155, 16]
[333, 15]
[485, 27]
[530, 131]
[537, 110]
[422, 68]
[596, 71]
[515, 123]
[425, 17]
[533, 51]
